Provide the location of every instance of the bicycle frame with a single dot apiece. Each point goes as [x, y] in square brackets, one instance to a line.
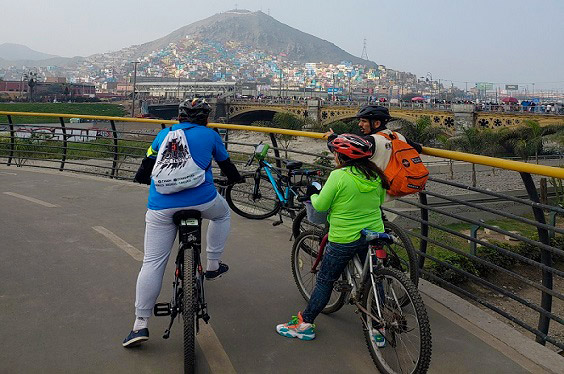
[356, 272]
[286, 198]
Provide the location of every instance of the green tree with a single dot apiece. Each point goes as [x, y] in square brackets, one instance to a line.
[345, 127]
[284, 121]
[480, 142]
[422, 131]
[526, 141]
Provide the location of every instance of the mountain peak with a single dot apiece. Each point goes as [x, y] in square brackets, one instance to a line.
[12, 51]
[258, 31]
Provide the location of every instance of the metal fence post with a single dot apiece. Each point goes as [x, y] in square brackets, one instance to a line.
[12, 140]
[474, 235]
[276, 152]
[115, 139]
[546, 256]
[424, 228]
[65, 144]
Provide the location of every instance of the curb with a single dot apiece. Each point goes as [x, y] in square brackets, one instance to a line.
[513, 344]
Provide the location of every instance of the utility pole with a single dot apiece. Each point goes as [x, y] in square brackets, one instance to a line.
[364, 54]
[134, 82]
[280, 88]
[333, 87]
[178, 94]
[350, 97]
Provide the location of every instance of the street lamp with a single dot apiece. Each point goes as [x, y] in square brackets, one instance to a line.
[429, 77]
[134, 82]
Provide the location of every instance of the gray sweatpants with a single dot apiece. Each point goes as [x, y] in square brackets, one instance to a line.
[160, 233]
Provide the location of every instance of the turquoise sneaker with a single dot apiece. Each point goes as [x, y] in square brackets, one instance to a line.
[297, 328]
[378, 339]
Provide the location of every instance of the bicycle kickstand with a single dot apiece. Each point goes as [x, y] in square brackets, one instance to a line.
[279, 220]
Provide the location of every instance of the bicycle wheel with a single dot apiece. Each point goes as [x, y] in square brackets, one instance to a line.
[241, 200]
[402, 254]
[304, 254]
[189, 301]
[301, 224]
[404, 325]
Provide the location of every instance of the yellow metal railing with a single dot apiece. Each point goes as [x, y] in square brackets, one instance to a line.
[518, 166]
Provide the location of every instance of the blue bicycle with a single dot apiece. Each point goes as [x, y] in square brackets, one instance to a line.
[268, 191]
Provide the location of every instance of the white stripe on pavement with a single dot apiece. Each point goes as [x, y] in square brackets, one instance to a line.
[7, 173]
[48, 205]
[128, 248]
[216, 356]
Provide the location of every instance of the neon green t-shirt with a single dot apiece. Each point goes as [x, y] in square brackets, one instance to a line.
[354, 202]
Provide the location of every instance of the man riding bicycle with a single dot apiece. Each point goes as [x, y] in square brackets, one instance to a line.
[160, 231]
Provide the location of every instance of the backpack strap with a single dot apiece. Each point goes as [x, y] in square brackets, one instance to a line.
[387, 136]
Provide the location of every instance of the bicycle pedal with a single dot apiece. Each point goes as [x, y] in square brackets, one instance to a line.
[206, 318]
[276, 223]
[162, 309]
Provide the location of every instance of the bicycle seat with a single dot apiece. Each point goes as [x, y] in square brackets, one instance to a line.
[291, 165]
[185, 214]
[378, 236]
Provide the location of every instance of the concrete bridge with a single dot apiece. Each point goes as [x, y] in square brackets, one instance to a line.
[452, 117]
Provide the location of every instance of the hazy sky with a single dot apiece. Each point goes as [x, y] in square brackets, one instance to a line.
[503, 41]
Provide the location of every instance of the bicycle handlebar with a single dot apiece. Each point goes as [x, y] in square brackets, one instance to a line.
[306, 172]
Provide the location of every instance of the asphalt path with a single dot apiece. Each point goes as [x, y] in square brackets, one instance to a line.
[68, 266]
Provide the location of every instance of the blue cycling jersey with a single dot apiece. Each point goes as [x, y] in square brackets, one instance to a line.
[204, 144]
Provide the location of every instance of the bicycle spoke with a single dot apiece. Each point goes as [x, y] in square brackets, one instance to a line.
[401, 325]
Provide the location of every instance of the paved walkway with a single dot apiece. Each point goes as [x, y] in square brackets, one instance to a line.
[67, 291]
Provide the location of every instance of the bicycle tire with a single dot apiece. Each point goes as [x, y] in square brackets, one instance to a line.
[243, 204]
[189, 310]
[403, 249]
[301, 224]
[304, 253]
[396, 324]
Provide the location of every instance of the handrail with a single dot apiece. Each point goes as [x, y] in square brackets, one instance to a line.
[523, 167]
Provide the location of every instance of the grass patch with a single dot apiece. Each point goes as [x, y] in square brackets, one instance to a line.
[33, 148]
[94, 109]
[492, 255]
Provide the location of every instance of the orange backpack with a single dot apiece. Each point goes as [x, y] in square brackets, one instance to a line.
[405, 171]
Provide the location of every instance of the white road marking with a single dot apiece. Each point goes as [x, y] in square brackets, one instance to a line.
[6, 173]
[48, 205]
[216, 356]
[128, 248]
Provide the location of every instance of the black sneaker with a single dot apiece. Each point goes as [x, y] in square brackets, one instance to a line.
[136, 337]
[213, 275]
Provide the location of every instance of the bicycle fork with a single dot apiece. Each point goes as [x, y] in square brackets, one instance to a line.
[376, 259]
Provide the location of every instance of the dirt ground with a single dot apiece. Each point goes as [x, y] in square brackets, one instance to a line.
[529, 293]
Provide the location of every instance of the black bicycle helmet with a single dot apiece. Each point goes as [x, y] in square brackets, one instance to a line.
[194, 110]
[375, 112]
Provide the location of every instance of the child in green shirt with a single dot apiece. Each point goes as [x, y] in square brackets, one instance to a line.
[353, 193]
